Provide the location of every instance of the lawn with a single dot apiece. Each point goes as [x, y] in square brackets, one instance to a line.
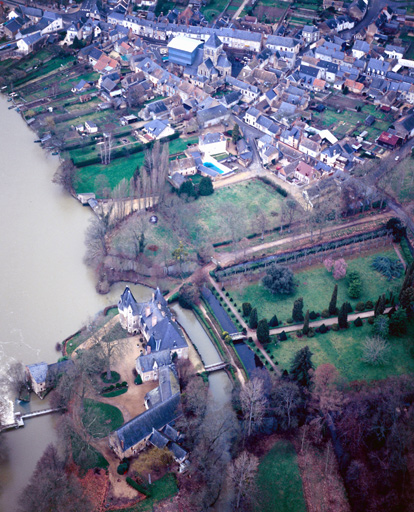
[119, 168]
[248, 196]
[164, 488]
[316, 286]
[279, 481]
[213, 9]
[344, 350]
[115, 172]
[108, 418]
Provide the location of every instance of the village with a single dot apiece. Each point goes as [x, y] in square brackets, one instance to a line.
[250, 162]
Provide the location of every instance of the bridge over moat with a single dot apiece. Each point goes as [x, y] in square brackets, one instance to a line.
[215, 367]
[19, 418]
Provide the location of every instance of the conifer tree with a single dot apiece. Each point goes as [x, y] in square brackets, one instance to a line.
[343, 316]
[253, 319]
[263, 331]
[301, 366]
[306, 323]
[333, 310]
[246, 309]
[297, 313]
[380, 306]
[274, 322]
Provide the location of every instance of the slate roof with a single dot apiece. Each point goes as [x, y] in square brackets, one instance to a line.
[231, 97]
[142, 426]
[128, 300]
[146, 362]
[170, 432]
[212, 138]
[211, 113]
[361, 46]
[158, 439]
[213, 42]
[178, 452]
[38, 372]
[155, 127]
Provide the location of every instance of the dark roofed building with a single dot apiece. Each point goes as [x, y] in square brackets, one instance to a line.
[131, 437]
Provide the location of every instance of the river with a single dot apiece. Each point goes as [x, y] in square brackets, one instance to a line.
[47, 291]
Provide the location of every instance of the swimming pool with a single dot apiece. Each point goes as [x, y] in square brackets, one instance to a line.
[212, 166]
[211, 163]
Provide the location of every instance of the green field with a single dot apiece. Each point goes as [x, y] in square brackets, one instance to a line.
[344, 350]
[279, 481]
[316, 286]
[247, 197]
[108, 418]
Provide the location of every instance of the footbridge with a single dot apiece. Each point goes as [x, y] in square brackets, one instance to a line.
[19, 418]
[216, 367]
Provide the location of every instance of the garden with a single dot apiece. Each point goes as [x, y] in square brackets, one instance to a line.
[279, 482]
[316, 285]
[344, 349]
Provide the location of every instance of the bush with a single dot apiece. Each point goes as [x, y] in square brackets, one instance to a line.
[360, 306]
[122, 468]
[282, 336]
[371, 320]
[279, 279]
[311, 332]
[325, 313]
[375, 351]
[138, 380]
[188, 295]
[114, 377]
[263, 331]
[289, 320]
[354, 285]
[335, 327]
[358, 322]
[369, 305]
[323, 329]
[124, 384]
[313, 315]
[391, 269]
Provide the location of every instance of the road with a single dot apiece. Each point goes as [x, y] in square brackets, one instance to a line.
[374, 8]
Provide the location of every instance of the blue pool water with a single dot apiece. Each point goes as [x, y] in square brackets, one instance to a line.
[212, 166]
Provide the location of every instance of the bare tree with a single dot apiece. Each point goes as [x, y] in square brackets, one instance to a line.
[242, 475]
[253, 404]
[95, 241]
[289, 210]
[52, 488]
[261, 220]
[14, 381]
[105, 148]
[286, 402]
[102, 187]
[65, 175]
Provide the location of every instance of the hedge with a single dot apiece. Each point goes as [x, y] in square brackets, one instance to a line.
[300, 253]
[137, 487]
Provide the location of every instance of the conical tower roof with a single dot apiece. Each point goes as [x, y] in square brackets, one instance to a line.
[213, 42]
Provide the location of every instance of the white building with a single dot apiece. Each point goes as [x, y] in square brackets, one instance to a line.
[212, 143]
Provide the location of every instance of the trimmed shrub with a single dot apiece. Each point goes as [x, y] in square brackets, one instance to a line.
[313, 315]
[311, 332]
[369, 305]
[360, 306]
[358, 322]
[289, 321]
[138, 380]
[335, 327]
[282, 336]
[371, 320]
[122, 468]
[325, 313]
[323, 329]
[274, 322]
[137, 486]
